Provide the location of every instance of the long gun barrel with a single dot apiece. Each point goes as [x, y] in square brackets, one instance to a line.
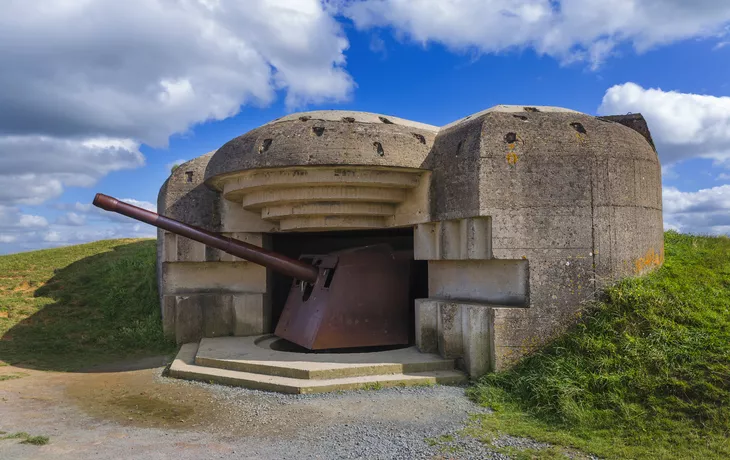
[282, 264]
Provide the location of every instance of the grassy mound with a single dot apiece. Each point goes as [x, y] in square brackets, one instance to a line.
[645, 375]
[76, 306]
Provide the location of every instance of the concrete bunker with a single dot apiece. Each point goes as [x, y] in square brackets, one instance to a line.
[515, 215]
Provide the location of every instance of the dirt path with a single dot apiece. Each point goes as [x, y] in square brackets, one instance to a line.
[132, 413]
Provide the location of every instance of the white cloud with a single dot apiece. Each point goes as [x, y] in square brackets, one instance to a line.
[82, 214]
[85, 83]
[72, 219]
[683, 125]
[81, 224]
[668, 172]
[34, 169]
[12, 219]
[145, 69]
[27, 220]
[28, 188]
[566, 29]
[141, 204]
[79, 207]
[706, 211]
[52, 237]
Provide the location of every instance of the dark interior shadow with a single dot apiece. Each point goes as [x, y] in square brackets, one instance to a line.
[104, 317]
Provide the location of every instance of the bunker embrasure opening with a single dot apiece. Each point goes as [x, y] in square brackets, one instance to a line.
[393, 304]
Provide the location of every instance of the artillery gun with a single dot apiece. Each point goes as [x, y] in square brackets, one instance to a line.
[357, 297]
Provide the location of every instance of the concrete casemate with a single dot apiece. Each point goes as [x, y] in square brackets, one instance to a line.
[519, 214]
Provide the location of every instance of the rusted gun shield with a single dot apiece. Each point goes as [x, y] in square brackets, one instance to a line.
[360, 299]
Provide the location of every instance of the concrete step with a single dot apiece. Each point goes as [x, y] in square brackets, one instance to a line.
[255, 355]
[184, 367]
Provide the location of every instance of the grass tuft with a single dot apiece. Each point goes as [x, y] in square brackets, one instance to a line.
[13, 376]
[36, 440]
[645, 375]
[373, 386]
[27, 439]
[76, 306]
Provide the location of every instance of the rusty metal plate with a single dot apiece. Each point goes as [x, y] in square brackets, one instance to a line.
[360, 299]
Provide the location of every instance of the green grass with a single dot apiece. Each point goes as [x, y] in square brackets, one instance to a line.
[13, 376]
[28, 439]
[76, 306]
[646, 374]
[374, 386]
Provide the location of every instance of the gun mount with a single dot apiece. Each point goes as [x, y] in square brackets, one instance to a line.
[353, 298]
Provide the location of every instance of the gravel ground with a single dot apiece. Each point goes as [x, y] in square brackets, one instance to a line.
[138, 414]
[415, 415]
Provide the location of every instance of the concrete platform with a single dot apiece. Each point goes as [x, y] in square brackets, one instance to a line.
[250, 363]
[255, 355]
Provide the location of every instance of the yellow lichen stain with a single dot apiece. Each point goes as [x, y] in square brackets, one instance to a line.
[650, 260]
[511, 156]
[582, 138]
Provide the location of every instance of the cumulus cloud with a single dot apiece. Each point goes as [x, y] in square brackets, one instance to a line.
[72, 219]
[144, 69]
[85, 83]
[15, 225]
[52, 237]
[81, 223]
[64, 236]
[78, 207]
[569, 30]
[12, 219]
[706, 211]
[34, 169]
[79, 214]
[683, 125]
[28, 220]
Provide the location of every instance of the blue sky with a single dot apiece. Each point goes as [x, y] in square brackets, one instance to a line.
[109, 105]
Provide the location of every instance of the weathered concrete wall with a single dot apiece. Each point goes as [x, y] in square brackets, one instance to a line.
[203, 291]
[634, 121]
[325, 138]
[576, 197]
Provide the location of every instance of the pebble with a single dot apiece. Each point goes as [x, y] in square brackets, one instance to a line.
[432, 412]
